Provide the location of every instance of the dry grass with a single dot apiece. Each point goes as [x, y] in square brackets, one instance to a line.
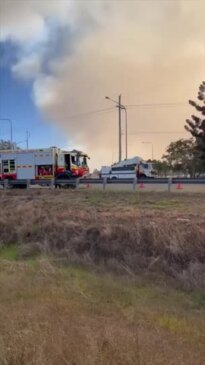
[51, 315]
[55, 310]
[120, 231]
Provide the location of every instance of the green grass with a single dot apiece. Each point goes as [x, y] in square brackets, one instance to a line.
[164, 204]
[9, 252]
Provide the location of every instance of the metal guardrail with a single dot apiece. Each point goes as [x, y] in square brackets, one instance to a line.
[145, 181]
[7, 184]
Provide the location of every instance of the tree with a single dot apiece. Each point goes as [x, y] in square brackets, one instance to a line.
[196, 125]
[96, 172]
[161, 168]
[7, 145]
[181, 156]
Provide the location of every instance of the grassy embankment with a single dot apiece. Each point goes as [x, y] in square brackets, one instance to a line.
[89, 278]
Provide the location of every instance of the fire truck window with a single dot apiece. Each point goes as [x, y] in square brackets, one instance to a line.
[44, 170]
[78, 161]
[5, 165]
[67, 161]
[8, 166]
[75, 160]
[84, 161]
[12, 165]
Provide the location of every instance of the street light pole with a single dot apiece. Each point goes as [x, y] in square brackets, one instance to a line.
[120, 129]
[125, 132]
[11, 129]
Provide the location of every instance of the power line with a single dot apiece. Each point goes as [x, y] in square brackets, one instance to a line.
[91, 112]
[157, 132]
[156, 105]
[127, 106]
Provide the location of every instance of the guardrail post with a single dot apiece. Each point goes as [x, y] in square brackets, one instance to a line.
[134, 184]
[77, 182]
[104, 183]
[52, 183]
[6, 183]
[27, 184]
[169, 184]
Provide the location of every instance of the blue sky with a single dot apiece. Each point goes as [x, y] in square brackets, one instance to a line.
[16, 103]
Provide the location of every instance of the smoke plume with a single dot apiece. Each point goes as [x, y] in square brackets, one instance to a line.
[77, 52]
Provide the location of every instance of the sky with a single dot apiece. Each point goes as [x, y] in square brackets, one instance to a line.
[60, 58]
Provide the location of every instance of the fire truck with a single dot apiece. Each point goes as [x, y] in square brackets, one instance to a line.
[43, 163]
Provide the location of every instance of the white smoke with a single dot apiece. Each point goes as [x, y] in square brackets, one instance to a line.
[150, 51]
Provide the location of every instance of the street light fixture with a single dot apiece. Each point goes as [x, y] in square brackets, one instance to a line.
[11, 129]
[120, 106]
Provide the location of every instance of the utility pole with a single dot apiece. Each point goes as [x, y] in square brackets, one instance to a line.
[120, 107]
[120, 129]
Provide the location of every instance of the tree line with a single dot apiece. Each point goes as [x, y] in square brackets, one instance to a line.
[187, 156]
[7, 145]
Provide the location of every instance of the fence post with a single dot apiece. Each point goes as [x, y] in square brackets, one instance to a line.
[52, 183]
[27, 184]
[169, 184]
[134, 183]
[77, 182]
[6, 183]
[104, 183]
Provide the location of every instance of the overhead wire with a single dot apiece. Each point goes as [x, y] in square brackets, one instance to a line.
[157, 132]
[99, 111]
[151, 105]
[91, 112]
[106, 110]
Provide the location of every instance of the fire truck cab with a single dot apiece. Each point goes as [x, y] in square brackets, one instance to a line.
[41, 163]
[74, 161]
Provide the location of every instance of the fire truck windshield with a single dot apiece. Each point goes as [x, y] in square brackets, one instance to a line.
[79, 160]
[83, 160]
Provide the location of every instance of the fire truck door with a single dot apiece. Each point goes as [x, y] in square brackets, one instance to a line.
[25, 166]
[61, 161]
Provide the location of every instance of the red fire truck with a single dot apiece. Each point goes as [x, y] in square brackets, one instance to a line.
[41, 163]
